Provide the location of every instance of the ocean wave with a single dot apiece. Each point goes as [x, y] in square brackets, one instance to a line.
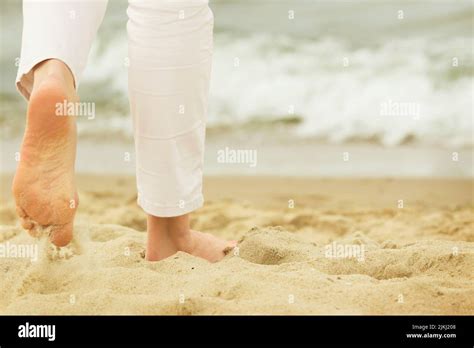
[341, 93]
[391, 89]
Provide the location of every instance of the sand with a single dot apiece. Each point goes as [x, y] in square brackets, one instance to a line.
[418, 259]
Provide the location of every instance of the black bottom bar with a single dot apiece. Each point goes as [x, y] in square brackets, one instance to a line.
[225, 330]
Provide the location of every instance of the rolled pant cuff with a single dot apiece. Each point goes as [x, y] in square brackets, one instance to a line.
[179, 209]
[25, 76]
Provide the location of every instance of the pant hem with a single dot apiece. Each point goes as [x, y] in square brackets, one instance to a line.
[170, 211]
[25, 78]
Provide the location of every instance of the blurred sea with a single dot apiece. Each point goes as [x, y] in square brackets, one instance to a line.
[384, 72]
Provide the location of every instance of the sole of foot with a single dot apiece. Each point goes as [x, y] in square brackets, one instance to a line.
[44, 184]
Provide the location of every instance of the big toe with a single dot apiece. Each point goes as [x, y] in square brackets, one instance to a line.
[230, 245]
[61, 235]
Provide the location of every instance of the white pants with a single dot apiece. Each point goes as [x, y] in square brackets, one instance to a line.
[170, 51]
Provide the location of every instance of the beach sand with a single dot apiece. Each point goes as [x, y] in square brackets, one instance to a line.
[418, 259]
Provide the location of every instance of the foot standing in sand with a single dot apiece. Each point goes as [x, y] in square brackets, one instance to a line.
[170, 53]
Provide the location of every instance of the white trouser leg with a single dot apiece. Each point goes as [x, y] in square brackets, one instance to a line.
[170, 51]
[60, 29]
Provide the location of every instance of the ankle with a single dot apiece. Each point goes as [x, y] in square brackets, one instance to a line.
[175, 230]
[179, 233]
[183, 241]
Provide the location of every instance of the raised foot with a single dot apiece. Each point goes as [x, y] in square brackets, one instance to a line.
[44, 187]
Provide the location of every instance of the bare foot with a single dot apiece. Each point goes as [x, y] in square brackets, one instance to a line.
[44, 187]
[208, 246]
[167, 236]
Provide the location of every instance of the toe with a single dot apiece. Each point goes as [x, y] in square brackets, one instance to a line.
[26, 223]
[21, 213]
[61, 235]
[30, 226]
[230, 246]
